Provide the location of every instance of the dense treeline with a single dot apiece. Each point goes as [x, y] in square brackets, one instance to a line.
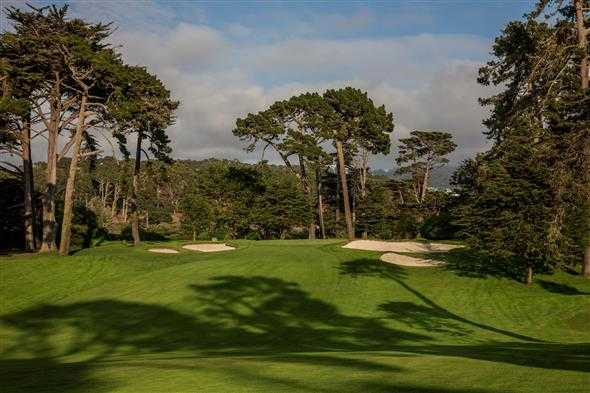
[63, 82]
[527, 200]
[226, 200]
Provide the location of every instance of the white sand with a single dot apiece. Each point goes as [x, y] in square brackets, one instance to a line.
[394, 247]
[211, 247]
[404, 260]
[375, 245]
[163, 250]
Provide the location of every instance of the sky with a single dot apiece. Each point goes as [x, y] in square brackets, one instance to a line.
[224, 59]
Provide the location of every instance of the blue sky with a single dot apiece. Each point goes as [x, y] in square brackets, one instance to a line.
[223, 59]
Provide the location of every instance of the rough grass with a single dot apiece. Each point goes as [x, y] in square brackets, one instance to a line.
[284, 316]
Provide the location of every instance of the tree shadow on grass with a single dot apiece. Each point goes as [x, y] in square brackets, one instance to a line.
[471, 263]
[50, 375]
[429, 315]
[562, 289]
[572, 357]
[527, 351]
[57, 348]
[426, 318]
[231, 315]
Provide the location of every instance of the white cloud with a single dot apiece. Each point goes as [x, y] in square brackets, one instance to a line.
[419, 79]
[185, 45]
[427, 81]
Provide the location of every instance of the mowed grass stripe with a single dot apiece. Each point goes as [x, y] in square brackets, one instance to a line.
[283, 316]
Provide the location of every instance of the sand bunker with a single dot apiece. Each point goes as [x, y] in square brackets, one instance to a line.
[163, 250]
[208, 247]
[394, 247]
[404, 260]
[375, 245]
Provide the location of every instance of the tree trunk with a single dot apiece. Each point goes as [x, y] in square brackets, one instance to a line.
[133, 205]
[125, 210]
[529, 275]
[311, 230]
[66, 226]
[28, 184]
[346, 200]
[424, 186]
[584, 69]
[586, 263]
[363, 175]
[49, 222]
[115, 200]
[582, 42]
[337, 213]
[308, 193]
[352, 196]
[320, 205]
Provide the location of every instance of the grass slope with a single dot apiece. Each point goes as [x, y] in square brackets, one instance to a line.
[284, 316]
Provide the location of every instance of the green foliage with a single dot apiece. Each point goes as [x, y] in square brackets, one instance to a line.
[196, 215]
[374, 211]
[419, 155]
[439, 227]
[281, 207]
[426, 146]
[525, 199]
[358, 121]
[142, 103]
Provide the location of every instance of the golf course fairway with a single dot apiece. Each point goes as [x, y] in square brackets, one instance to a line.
[284, 316]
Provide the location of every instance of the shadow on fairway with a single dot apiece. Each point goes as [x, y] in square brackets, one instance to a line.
[232, 315]
[269, 318]
[431, 316]
[470, 263]
[562, 289]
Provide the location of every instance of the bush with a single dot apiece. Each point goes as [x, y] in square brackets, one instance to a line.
[406, 227]
[85, 227]
[439, 227]
[143, 234]
[253, 235]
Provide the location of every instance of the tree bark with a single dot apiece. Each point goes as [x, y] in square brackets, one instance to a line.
[115, 200]
[529, 275]
[337, 212]
[424, 186]
[363, 175]
[586, 263]
[320, 205]
[133, 205]
[66, 226]
[125, 209]
[311, 230]
[582, 42]
[28, 185]
[584, 69]
[49, 223]
[309, 193]
[346, 200]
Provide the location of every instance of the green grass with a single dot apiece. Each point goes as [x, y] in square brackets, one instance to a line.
[284, 316]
